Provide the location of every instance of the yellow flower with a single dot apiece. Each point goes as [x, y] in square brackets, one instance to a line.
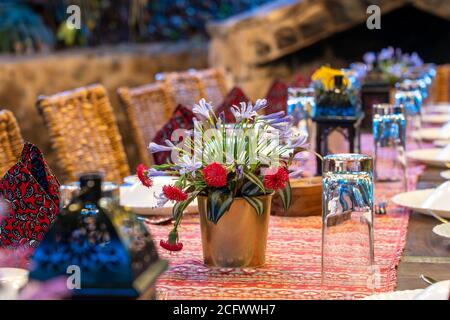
[326, 76]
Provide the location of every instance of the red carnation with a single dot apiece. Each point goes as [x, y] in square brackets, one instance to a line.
[174, 193]
[276, 180]
[172, 244]
[171, 247]
[141, 171]
[215, 175]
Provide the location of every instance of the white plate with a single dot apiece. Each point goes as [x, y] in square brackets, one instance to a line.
[430, 134]
[437, 291]
[131, 179]
[396, 295]
[142, 200]
[445, 174]
[441, 108]
[15, 277]
[441, 143]
[436, 118]
[442, 230]
[428, 156]
[414, 200]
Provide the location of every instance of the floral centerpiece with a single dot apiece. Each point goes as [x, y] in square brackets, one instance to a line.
[334, 94]
[233, 170]
[392, 63]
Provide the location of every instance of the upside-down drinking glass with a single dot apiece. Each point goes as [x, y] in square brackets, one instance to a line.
[410, 97]
[301, 105]
[389, 133]
[347, 229]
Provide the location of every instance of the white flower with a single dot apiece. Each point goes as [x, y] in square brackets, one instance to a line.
[161, 200]
[189, 164]
[244, 112]
[203, 108]
[299, 141]
[154, 148]
[260, 104]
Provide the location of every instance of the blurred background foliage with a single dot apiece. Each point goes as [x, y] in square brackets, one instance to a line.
[28, 26]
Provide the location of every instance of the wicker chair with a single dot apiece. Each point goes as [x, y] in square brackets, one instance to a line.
[11, 142]
[148, 108]
[214, 84]
[441, 92]
[184, 87]
[84, 133]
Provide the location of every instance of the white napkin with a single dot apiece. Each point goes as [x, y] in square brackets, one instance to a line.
[444, 154]
[444, 132]
[438, 291]
[439, 199]
[138, 196]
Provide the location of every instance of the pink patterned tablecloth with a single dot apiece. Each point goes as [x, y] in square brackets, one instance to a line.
[292, 269]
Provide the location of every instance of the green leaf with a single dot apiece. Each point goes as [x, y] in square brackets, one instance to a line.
[286, 196]
[250, 176]
[256, 203]
[250, 189]
[179, 207]
[219, 202]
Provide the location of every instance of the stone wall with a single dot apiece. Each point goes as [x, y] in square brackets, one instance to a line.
[253, 46]
[23, 79]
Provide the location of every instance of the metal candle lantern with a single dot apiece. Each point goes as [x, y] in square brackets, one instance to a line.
[110, 247]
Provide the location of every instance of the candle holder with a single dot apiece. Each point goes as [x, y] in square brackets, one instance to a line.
[104, 250]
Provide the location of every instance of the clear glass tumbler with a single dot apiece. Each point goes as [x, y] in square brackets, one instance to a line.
[389, 133]
[347, 229]
[301, 105]
[410, 97]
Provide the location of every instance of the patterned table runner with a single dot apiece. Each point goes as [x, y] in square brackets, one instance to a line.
[292, 269]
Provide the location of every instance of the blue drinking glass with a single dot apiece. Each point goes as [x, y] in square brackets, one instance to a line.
[389, 133]
[347, 223]
[410, 97]
[301, 105]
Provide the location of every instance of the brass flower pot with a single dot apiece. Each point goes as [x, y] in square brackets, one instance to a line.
[239, 238]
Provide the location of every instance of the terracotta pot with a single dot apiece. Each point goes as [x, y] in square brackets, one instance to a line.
[239, 238]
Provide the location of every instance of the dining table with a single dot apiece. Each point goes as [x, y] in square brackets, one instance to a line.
[425, 252]
[405, 248]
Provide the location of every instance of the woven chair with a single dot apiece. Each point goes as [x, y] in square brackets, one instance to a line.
[214, 84]
[148, 108]
[441, 92]
[84, 133]
[11, 142]
[184, 87]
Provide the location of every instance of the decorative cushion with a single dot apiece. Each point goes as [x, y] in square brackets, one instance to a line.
[301, 81]
[234, 97]
[277, 97]
[181, 119]
[32, 193]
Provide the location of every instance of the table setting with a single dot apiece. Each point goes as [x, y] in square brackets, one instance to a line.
[250, 204]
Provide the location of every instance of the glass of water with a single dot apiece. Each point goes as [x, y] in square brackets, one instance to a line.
[389, 133]
[347, 229]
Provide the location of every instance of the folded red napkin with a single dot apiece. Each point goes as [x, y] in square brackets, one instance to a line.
[301, 81]
[234, 97]
[277, 97]
[181, 119]
[32, 193]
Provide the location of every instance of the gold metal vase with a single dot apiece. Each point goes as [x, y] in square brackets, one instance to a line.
[239, 238]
